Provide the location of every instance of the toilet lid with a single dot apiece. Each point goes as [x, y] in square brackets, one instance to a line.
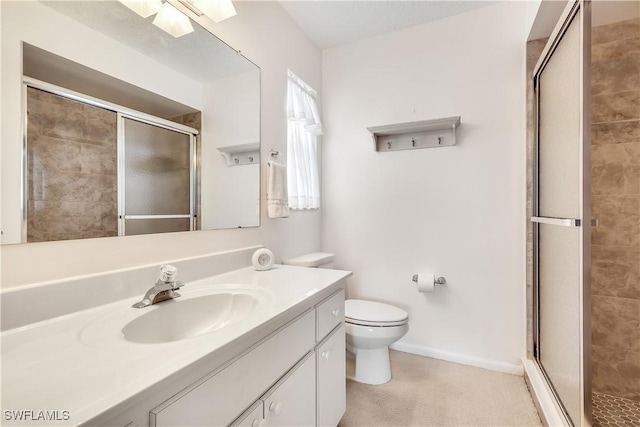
[314, 259]
[371, 313]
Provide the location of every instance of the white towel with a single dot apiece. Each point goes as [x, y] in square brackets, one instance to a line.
[277, 201]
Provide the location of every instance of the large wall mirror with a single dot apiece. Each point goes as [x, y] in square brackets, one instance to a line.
[112, 126]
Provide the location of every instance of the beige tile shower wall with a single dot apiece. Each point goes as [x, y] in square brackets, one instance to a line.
[615, 169]
[72, 178]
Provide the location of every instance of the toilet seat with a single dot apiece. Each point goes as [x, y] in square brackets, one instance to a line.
[375, 324]
[376, 314]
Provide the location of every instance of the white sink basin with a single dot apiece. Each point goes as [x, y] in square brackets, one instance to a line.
[178, 319]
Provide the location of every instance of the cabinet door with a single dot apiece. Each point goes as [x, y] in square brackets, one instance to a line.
[253, 417]
[293, 401]
[332, 394]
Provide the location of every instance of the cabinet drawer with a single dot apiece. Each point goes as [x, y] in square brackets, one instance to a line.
[329, 313]
[219, 399]
[332, 381]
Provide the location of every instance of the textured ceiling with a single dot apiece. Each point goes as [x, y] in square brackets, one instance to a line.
[332, 23]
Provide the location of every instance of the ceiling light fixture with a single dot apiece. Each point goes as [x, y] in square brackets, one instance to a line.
[144, 8]
[217, 10]
[173, 21]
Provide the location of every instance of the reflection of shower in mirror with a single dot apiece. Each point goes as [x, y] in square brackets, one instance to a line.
[182, 81]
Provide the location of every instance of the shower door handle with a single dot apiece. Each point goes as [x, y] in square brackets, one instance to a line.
[563, 222]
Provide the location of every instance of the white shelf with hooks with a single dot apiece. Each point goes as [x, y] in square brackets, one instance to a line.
[241, 154]
[412, 135]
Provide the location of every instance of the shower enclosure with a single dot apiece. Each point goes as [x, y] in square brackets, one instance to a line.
[585, 214]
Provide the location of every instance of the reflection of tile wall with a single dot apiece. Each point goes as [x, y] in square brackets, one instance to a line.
[193, 120]
[72, 181]
[615, 169]
[534, 49]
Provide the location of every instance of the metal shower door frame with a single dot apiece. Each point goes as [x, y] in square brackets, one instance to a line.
[584, 221]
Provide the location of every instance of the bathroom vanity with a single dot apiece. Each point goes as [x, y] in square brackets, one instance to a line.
[274, 355]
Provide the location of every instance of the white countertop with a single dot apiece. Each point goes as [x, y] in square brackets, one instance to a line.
[80, 362]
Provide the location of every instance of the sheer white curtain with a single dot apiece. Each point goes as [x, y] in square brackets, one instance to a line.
[303, 128]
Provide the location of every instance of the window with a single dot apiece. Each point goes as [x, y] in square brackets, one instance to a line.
[303, 128]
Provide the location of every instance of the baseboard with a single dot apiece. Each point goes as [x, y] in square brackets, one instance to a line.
[463, 359]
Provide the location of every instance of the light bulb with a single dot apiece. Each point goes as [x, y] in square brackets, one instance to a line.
[173, 21]
[144, 8]
[217, 10]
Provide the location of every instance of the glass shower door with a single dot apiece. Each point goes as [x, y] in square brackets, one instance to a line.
[562, 213]
[157, 173]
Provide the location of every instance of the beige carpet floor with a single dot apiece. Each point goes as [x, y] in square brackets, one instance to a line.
[430, 392]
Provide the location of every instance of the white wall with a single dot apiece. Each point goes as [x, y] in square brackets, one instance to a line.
[231, 116]
[266, 35]
[457, 211]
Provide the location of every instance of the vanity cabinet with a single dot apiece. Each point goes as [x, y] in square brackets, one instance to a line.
[219, 398]
[294, 377]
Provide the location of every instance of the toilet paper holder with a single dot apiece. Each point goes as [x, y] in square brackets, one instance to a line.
[437, 281]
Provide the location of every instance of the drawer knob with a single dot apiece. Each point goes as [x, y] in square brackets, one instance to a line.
[325, 354]
[335, 312]
[276, 408]
[257, 423]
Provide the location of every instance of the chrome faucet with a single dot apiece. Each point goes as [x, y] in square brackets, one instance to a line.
[164, 289]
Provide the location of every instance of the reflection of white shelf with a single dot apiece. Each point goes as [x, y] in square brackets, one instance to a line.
[241, 154]
[422, 134]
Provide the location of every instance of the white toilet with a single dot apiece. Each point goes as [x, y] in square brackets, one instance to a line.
[370, 327]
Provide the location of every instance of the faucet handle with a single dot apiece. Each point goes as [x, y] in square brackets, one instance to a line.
[167, 273]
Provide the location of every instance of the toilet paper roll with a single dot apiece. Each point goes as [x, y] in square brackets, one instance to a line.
[426, 282]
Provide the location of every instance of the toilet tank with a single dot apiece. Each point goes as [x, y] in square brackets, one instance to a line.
[314, 260]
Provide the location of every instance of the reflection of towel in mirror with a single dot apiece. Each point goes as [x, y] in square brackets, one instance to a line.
[277, 201]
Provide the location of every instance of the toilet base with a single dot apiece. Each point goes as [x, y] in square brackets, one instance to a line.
[372, 366]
